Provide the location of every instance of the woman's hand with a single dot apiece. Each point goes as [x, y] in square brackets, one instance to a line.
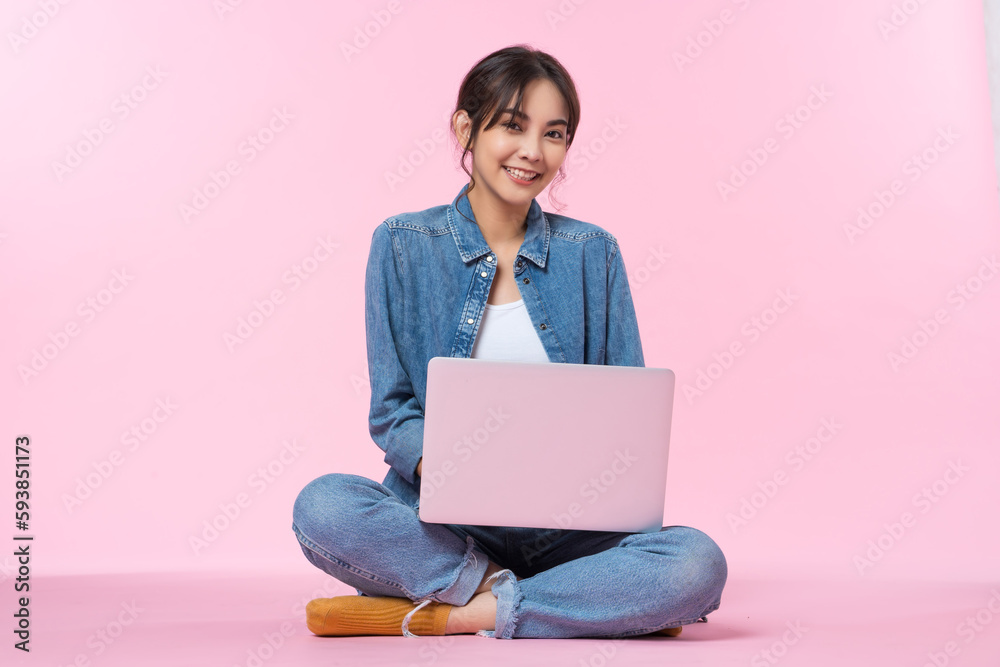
[420, 465]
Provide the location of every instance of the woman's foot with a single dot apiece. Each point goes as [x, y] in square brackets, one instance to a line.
[349, 615]
[670, 632]
[479, 613]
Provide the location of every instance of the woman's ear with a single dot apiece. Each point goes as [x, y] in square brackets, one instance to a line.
[462, 125]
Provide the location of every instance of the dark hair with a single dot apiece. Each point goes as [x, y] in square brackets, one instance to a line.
[502, 76]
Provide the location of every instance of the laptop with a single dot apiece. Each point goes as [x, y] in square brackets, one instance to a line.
[545, 445]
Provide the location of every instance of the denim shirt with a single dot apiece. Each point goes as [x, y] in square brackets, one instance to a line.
[426, 285]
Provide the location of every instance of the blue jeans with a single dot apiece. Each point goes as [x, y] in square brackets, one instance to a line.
[575, 583]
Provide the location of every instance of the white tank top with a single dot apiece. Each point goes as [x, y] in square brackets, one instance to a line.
[507, 334]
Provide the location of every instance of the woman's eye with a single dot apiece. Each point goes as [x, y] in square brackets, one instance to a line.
[514, 126]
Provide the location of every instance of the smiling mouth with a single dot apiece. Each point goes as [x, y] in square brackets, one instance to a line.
[522, 175]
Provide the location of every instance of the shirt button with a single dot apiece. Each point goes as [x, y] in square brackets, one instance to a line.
[490, 258]
[470, 320]
[541, 326]
[483, 274]
[526, 281]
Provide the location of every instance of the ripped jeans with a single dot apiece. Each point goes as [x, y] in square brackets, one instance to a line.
[575, 583]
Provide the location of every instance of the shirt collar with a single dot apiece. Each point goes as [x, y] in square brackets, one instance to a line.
[472, 245]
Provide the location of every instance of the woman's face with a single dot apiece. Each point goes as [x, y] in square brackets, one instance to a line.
[534, 143]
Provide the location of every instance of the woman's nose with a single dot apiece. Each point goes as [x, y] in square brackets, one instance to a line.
[530, 148]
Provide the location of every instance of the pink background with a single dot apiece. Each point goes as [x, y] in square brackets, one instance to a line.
[654, 140]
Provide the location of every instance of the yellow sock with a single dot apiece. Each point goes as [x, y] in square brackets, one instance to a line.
[348, 615]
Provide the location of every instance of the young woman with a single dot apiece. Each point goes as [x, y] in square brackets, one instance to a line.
[492, 276]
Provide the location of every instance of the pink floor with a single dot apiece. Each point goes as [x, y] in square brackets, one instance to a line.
[201, 619]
